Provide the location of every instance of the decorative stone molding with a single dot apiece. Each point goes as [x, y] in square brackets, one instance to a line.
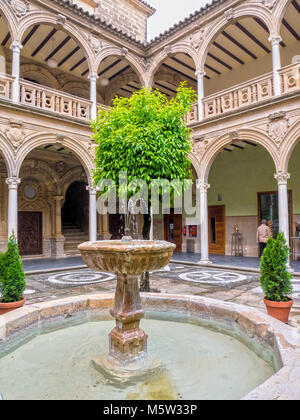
[229, 14]
[60, 167]
[145, 62]
[278, 127]
[282, 177]
[59, 137]
[269, 3]
[234, 136]
[61, 20]
[95, 44]
[168, 50]
[14, 133]
[197, 38]
[200, 146]
[123, 52]
[20, 7]
[13, 182]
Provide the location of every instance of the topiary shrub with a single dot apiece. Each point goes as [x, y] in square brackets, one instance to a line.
[275, 278]
[12, 276]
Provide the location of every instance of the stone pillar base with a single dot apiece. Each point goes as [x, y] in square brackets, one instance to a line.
[58, 247]
[204, 262]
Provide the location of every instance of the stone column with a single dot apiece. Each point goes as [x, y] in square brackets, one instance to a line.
[13, 184]
[203, 187]
[92, 213]
[59, 237]
[283, 204]
[16, 53]
[275, 41]
[200, 90]
[93, 94]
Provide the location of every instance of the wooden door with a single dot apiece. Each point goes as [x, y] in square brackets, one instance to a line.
[30, 233]
[173, 229]
[216, 230]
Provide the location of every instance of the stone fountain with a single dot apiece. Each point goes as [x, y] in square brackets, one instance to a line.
[128, 259]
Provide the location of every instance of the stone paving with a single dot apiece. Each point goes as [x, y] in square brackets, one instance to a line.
[174, 279]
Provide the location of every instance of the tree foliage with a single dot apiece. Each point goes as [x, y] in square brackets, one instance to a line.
[144, 135]
[275, 278]
[12, 276]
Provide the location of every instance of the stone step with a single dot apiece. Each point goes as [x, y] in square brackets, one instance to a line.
[74, 235]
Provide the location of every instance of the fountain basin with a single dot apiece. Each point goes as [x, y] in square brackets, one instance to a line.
[131, 258]
[275, 342]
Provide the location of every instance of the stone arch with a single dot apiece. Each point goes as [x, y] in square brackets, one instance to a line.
[46, 18]
[279, 13]
[132, 60]
[182, 47]
[7, 153]
[289, 144]
[40, 74]
[113, 87]
[40, 139]
[219, 143]
[46, 171]
[9, 17]
[223, 21]
[196, 164]
[74, 174]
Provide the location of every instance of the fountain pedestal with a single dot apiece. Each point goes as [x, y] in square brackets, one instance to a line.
[127, 358]
[127, 340]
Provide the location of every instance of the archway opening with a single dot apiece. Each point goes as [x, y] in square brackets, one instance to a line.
[290, 34]
[173, 70]
[5, 43]
[50, 175]
[52, 57]
[243, 192]
[293, 186]
[240, 52]
[116, 78]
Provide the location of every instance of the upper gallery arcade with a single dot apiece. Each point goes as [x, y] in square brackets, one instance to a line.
[60, 59]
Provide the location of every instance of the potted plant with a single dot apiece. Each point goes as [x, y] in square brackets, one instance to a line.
[275, 278]
[12, 278]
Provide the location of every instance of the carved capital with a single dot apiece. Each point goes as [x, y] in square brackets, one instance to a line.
[92, 190]
[93, 77]
[13, 182]
[282, 177]
[203, 186]
[275, 39]
[16, 46]
[200, 74]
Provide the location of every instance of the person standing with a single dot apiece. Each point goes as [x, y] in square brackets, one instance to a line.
[262, 235]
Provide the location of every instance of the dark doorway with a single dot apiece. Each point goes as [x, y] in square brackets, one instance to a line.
[116, 226]
[30, 233]
[216, 230]
[173, 229]
[75, 211]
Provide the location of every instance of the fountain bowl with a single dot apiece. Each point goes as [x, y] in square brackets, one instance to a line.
[131, 258]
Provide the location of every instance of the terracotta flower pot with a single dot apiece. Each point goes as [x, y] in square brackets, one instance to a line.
[7, 307]
[279, 310]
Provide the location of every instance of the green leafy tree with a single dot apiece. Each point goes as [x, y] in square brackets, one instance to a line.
[144, 135]
[12, 276]
[275, 278]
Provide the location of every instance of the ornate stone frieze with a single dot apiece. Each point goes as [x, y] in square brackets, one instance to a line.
[95, 43]
[20, 7]
[229, 14]
[269, 3]
[197, 38]
[278, 127]
[199, 147]
[14, 133]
